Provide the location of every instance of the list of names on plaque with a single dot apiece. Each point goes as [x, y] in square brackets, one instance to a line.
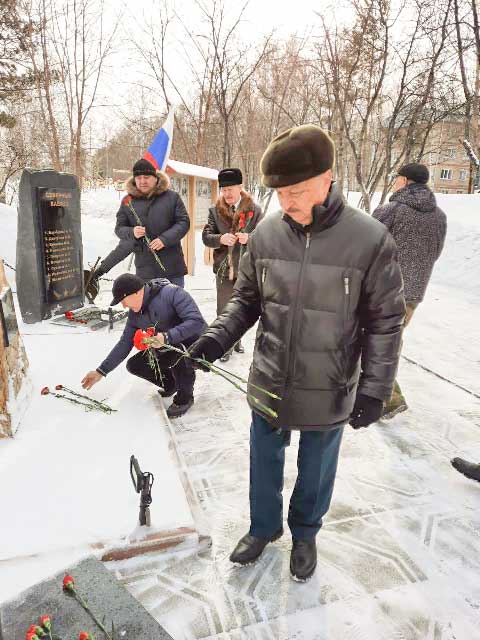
[59, 255]
[62, 268]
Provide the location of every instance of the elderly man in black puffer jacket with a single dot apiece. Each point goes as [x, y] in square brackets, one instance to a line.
[324, 282]
[418, 226]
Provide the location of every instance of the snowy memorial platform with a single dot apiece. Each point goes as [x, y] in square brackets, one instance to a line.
[107, 600]
[67, 491]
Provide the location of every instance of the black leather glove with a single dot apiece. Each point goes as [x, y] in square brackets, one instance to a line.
[366, 410]
[206, 348]
[98, 273]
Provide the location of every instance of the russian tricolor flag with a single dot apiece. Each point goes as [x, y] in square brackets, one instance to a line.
[159, 151]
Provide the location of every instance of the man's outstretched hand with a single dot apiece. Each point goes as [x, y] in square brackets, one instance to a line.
[365, 411]
[90, 379]
[205, 348]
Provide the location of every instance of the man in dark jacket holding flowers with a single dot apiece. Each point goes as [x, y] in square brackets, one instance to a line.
[234, 216]
[175, 319]
[151, 222]
[323, 280]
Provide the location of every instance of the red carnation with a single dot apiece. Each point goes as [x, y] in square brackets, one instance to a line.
[46, 622]
[45, 391]
[31, 636]
[68, 583]
[139, 337]
[36, 631]
[84, 636]
[69, 315]
[127, 200]
[250, 214]
[59, 387]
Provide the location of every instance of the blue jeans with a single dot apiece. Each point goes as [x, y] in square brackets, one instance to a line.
[179, 281]
[317, 466]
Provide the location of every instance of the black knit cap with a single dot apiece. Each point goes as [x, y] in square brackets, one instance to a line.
[143, 167]
[296, 155]
[124, 286]
[229, 177]
[416, 172]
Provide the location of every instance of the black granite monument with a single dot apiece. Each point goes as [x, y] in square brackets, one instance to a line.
[49, 245]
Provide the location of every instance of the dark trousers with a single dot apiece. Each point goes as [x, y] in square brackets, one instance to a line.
[175, 371]
[317, 466]
[224, 291]
[397, 398]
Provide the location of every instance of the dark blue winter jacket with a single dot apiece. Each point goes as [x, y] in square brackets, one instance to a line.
[168, 308]
[164, 216]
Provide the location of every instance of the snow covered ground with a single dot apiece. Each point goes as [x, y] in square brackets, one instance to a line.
[398, 554]
[65, 476]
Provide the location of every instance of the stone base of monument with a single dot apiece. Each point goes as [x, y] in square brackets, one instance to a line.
[109, 601]
[15, 386]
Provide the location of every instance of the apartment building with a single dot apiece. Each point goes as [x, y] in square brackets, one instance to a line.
[447, 159]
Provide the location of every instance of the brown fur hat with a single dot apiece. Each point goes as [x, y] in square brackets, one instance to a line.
[296, 155]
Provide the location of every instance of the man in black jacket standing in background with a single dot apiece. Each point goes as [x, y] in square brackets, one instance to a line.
[324, 282]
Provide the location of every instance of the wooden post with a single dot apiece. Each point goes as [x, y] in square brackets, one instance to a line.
[207, 252]
[14, 385]
[189, 240]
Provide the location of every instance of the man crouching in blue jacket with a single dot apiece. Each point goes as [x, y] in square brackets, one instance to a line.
[177, 321]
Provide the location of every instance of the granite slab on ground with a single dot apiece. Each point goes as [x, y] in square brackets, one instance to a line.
[106, 597]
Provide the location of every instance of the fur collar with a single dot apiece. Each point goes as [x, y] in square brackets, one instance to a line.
[246, 205]
[162, 185]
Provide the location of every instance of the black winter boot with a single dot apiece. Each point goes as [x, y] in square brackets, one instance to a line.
[239, 348]
[469, 469]
[179, 406]
[249, 548]
[303, 559]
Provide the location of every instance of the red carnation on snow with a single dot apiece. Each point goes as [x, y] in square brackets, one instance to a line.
[45, 391]
[84, 635]
[69, 315]
[59, 387]
[35, 631]
[31, 635]
[68, 583]
[46, 622]
[139, 337]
